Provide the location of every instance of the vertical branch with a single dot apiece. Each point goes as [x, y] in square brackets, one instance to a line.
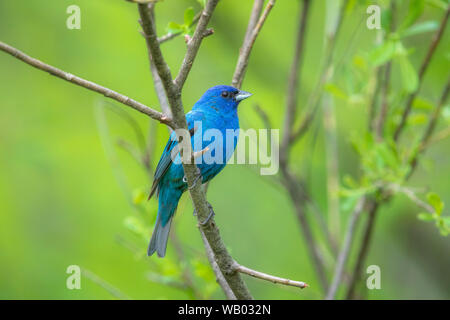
[364, 249]
[327, 70]
[374, 101]
[173, 90]
[331, 153]
[295, 191]
[219, 276]
[293, 83]
[379, 125]
[345, 250]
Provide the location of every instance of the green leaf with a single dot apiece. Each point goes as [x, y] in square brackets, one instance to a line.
[335, 91]
[136, 226]
[435, 201]
[417, 119]
[414, 12]
[425, 216]
[174, 27]
[426, 26]
[138, 196]
[202, 2]
[440, 4]
[422, 104]
[189, 16]
[383, 53]
[410, 79]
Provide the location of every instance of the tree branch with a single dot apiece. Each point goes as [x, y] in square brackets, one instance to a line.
[379, 122]
[295, 191]
[268, 277]
[173, 90]
[219, 276]
[194, 43]
[345, 250]
[362, 253]
[249, 41]
[431, 126]
[85, 84]
[314, 99]
[434, 43]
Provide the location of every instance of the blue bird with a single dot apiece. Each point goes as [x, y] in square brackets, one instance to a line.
[216, 110]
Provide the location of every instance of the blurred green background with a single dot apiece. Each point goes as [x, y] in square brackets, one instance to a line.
[60, 200]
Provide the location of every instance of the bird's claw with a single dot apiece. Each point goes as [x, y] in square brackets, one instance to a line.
[211, 214]
[198, 176]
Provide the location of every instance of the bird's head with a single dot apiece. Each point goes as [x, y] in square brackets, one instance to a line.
[223, 98]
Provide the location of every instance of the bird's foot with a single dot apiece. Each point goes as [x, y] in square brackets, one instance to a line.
[211, 214]
[198, 176]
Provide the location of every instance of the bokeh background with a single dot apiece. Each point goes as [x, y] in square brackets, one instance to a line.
[66, 189]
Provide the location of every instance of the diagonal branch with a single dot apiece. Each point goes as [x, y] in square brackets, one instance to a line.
[86, 84]
[194, 43]
[249, 41]
[345, 251]
[434, 43]
[327, 70]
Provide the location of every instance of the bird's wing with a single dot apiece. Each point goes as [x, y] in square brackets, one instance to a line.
[166, 160]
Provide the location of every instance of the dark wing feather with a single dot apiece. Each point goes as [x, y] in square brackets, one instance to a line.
[165, 161]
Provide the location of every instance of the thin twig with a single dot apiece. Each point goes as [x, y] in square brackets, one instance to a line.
[379, 123]
[293, 83]
[345, 250]
[412, 196]
[434, 43]
[295, 191]
[105, 285]
[364, 249]
[268, 277]
[194, 44]
[171, 36]
[327, 71]
[430, 127]
[85, 83]
[218, 273]
[186, 273]
[332, 161]
[247, 46]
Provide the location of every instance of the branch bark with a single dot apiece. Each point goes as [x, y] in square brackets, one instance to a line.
[345, 250]
[194, 44]
[249, 41]
[432, 48]
[156, 115]
[314, 99]
[264, 276]
[173, 89]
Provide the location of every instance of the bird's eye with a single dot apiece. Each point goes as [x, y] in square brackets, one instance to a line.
[225, 94]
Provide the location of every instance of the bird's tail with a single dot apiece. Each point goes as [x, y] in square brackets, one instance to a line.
[168, 202]
[159, 238]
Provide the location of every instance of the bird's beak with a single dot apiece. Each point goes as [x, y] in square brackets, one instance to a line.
[242, 95]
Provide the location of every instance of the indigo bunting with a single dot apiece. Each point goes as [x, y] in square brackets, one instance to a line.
[216, 111]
